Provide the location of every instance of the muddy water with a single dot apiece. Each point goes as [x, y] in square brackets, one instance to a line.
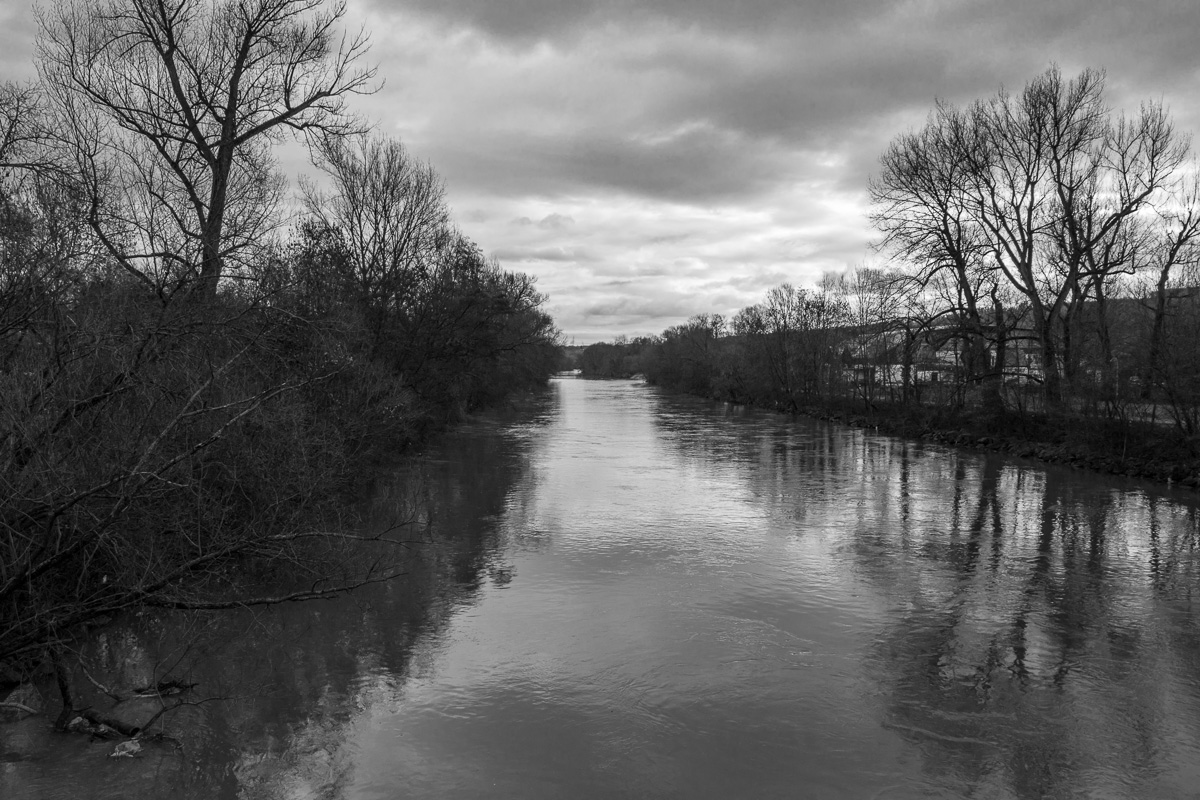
[621, 594]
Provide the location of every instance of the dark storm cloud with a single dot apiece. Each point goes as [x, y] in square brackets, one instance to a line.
[699, 165]
[538, 20]
[728, 115]
[656, 159]
[815, 64]
[632, 307]
[539, 254]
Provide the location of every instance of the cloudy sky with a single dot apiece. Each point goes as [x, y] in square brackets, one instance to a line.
[651, 160]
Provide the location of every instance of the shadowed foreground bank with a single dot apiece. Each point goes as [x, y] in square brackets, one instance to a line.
[195, 372]
[275, 692]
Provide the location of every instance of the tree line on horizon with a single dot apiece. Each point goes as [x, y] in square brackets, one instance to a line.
[192, 372]
[1044, 259]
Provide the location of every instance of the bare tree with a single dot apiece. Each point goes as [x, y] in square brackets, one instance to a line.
[1104, 173]
[875, 306]
[147, 449]
[171, 454]
[1058, 182]
[1042, 188]
[23, 131]
[44, 247]
[928, 216]
[179, 99]
[1174, 246]
[388, 212]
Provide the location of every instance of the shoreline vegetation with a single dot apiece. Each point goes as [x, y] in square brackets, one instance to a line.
[1149, 450]
[1137, 451]
[195, 372]
[1133, 452]
[1042, 294]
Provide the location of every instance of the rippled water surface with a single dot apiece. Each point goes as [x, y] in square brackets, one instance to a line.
[632, 595]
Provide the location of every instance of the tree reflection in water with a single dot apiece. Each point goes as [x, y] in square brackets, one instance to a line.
[278, 688]
[1040, 631]
[1035, 646]
[704, 601]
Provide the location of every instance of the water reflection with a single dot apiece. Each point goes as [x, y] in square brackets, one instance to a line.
[637, 595]
[1033, 649]
[280, 690]
[1038, 634]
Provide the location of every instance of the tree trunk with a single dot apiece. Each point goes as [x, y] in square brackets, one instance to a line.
[1156, 332]
[1110, 380]
[211, 260]
[993, 384]
[63, 678]
[1051, 380]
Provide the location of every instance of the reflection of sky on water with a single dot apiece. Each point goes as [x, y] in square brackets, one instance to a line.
[710, 602]
[655, 596]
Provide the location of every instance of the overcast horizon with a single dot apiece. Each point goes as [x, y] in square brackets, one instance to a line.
[650, 161]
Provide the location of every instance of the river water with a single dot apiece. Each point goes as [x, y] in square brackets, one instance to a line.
[625, 594]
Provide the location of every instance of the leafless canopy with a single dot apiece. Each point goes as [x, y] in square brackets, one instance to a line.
[1043, 193]
[389, 211]
[176, 100]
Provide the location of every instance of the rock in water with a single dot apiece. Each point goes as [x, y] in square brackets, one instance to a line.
[126, 749]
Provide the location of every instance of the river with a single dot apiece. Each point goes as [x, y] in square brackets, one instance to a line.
[626, 594]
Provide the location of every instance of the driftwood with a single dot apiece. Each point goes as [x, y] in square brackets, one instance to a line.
[101, 726]
[164, 689]
[100, 721]
[89, 720]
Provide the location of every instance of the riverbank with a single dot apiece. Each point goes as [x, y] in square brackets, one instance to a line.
[1141, 450]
